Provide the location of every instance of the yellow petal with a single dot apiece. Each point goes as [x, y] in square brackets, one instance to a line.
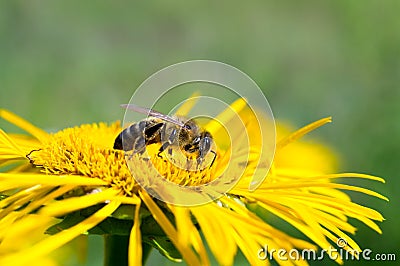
[216, 232]
[135, 241]
[43, 198]
[9, 147]
[169, 229]
[12, 181]
[301, 132]
[62, 207]
[213, 126]
[185, 108]
[23, 124]
[55, 241]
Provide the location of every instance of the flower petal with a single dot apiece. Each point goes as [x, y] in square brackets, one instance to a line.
[301, 132]
[55, 241]
[135, 241]
[11, 181]
[23, 124]
[169, 229]
[62, 207]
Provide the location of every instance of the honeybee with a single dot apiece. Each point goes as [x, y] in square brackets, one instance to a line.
[169, 131]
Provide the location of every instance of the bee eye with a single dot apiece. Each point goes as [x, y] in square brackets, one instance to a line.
[188, 127]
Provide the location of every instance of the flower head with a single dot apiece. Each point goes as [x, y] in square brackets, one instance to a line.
[76, 176]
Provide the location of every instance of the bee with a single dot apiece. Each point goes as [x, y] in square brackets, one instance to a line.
[169, 131]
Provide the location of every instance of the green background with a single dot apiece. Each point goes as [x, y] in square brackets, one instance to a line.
[66, 63]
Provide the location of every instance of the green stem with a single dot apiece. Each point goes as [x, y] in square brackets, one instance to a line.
[116, 250]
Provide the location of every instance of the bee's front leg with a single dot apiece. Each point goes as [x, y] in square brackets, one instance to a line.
[199, 161]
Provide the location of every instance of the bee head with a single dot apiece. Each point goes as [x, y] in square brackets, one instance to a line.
[190, 125]
[194, 140]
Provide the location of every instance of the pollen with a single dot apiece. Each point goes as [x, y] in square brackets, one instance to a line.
[181, 175]
[87, 150]
[181, 171]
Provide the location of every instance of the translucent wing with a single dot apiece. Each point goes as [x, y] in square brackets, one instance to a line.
[150, 112]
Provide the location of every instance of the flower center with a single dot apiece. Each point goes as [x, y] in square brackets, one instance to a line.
[175, 167]
[86, 150]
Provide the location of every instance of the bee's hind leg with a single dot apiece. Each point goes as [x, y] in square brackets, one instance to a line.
[162, 148]
[139, 147]
[189, 164]
[171, 138]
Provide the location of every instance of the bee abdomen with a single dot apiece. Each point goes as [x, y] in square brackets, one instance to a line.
[129, 137]
[138, 135]
[118, 142]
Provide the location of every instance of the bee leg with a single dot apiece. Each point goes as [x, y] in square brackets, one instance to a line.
[139, 147]
[215, 156]
[199, 161]
[162, 148]
[188, 164]
[171, 139]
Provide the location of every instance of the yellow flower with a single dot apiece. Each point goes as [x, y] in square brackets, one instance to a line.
[76, 174]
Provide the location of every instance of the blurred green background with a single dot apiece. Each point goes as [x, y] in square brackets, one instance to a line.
[71, 62]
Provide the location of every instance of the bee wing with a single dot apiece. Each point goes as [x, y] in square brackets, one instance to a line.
[150, 112]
